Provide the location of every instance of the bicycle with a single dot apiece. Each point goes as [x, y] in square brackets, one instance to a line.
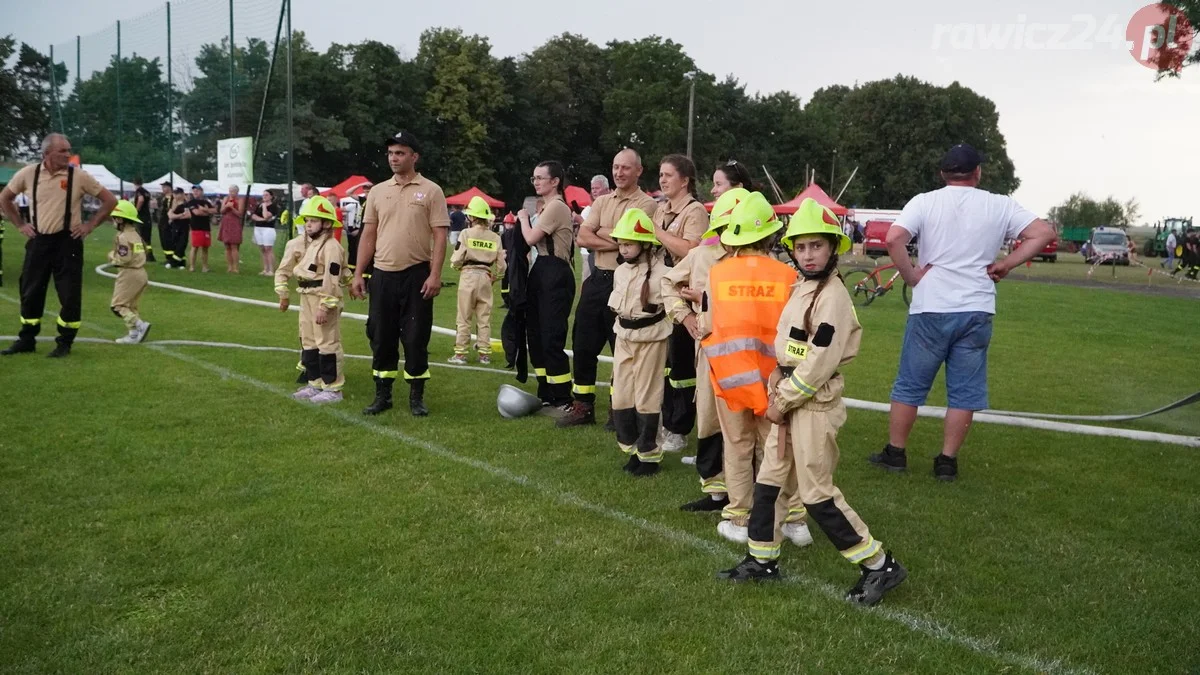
[866, 284]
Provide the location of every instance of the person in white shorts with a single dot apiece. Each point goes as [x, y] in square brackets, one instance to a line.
[265, 218]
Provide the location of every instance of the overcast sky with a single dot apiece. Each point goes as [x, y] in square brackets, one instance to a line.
[1077, 110]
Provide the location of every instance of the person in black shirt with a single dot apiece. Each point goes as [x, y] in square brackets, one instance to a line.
[141, 200]
[458, 223]
[198, 210]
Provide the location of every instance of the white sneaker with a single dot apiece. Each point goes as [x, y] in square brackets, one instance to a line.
[673, 442]
[738, 534]
[130, 339]
[797, 533]
[327, 396]
[688, 459]
[457, 360]
[143, 328]
[306, 392]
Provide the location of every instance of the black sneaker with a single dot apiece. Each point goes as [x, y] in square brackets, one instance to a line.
[20, 347]
[752, 570]
[646, 469]
[873, 584]
[706, 503]
[632, 464]
[945, 468]
[59, 352]
[892, 459]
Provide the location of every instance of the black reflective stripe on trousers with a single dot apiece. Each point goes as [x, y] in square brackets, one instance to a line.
[762, 515]
[834, 524]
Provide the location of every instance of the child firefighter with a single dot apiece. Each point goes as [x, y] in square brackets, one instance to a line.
[480, 258]
[818, 333]
[129, 256]
[642, 331]
[320, 272]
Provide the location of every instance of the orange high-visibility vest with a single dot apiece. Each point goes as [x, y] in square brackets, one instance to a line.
[747, 295]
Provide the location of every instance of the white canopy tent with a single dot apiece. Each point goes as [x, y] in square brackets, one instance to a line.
[173, 178]
[106, 178]
[212, 187]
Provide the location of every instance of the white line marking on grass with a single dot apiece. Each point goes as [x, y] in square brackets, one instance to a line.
[1001, 417]
[988, 647]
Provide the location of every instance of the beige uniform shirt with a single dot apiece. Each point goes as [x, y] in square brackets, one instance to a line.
[683, 217]
[48, 208]
[404, 216]
[809, 362]
[691, 272]
[321, 270]
[128, 252]
[555, 220]
[626, 300]
[482, 249]
[605, 213]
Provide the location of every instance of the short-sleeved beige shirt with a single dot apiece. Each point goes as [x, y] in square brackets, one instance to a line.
[405, 215]
[683, 217]
[47, 210]
[555, 221]
[605, 213]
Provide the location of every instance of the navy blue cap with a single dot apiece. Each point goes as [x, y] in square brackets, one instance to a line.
[961, 158]
[407, 139]
[197, 187]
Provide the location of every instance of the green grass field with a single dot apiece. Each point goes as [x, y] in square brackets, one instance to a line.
[170, 509]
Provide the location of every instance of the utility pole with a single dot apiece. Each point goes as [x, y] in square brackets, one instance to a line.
[691, 110]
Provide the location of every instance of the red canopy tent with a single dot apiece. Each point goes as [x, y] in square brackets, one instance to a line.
[464, 198]
[351, 187]
[576, 194]
[813, 191]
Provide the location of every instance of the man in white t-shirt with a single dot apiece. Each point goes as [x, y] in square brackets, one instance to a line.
[1171, 243]
[962, 229]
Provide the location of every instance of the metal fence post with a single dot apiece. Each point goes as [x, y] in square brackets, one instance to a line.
[232, 106]
[120, 126]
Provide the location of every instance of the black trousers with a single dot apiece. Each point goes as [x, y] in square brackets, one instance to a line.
[548, 299]
[593, 328]
[146, 232]
[679, 397]
[174, 236]
[61, 257]
[1, 255]
[399, 315]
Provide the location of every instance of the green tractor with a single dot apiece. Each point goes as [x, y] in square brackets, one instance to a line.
[1157, 247]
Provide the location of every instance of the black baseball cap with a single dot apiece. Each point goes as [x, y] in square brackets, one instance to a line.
[179, 190]
[407, 139]
[962, 158]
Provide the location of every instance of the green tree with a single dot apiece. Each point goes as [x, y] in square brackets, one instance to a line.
[566, 79]
[1080, 210]
[90, 118]
[1172, 61]
[895, 131]
[646, 105]
[464, 90]
[25, 88]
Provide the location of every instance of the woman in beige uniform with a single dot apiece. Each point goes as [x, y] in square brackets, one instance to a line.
[818, 333]
[551, 289]
[680, 224]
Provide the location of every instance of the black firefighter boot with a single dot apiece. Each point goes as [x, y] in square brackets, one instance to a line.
[383, 397]
[416, 398]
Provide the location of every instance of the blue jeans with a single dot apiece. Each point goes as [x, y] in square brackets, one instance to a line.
[959, 340]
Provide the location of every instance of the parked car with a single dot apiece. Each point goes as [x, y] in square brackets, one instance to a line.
[875, 238]
[1108, 245]
[1048, 254]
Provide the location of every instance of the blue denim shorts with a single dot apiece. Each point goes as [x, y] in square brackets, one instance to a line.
[959, 340]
